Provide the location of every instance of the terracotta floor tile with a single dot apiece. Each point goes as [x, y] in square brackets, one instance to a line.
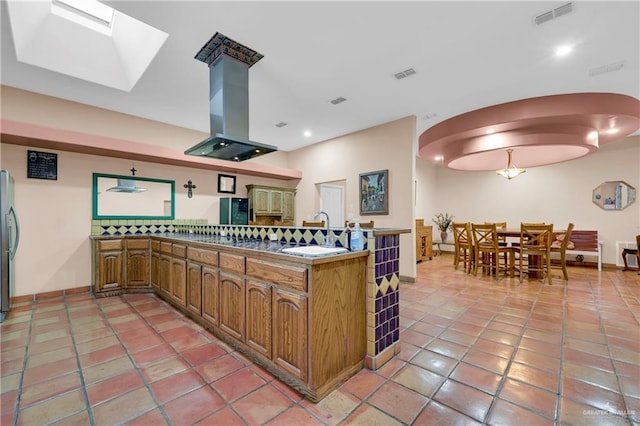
[150, 418]
[449, 349]
[533, 376]
[465, 399]
[163, 368]
[50, 356]
[123, 408]
[113, 387]
[494, 348]
[591, 375]
[238, 384]
[95, 344]
[391, 367]
[427, 328]
[144, 343]
[506, 413]
[154, 354]
[399, 402]
[49, 345]
[11, 367]
[8, 401]
[545, 348]
[576, 413]
[219, 367]
[287, 391]
[223, 417]
[478, 378]
[365, 415]
[48, 371]
[584, 358]
[333, 409]
[52, 409]
[418, 379]
[13, 354]
[594, 396]
[113, 367]
[458, 337]
[102, 355]
[48, 389]
[202, 402]
[189, 342]
[436, 414]
[10, 382]
[89, 335]
[535, 399]
[415, 338]
[435, 362]
[363, 383]
[486, 361]
[537, 360]
[176, 385]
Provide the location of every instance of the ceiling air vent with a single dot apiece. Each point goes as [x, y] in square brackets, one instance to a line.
[554, 13]
[606, 68]
[281, 124]
[404, 74]
[337, 101]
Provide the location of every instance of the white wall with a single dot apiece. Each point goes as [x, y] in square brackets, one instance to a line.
[557, 194]
[387, 146]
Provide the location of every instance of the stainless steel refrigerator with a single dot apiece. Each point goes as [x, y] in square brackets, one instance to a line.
[9, 238]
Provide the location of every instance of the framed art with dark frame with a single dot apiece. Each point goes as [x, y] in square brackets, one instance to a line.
[226, 184]
[374, 192]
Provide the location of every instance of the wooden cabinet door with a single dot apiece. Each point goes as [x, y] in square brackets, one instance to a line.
[288, 205]
[232, 307]
[110, 271]
[179, 280]
[165, 275]
[138, 268]
[194, 288]
[155, 271]
[258, 317]
[210, 294]
[260, 200]
[290, 332]
[275, 201]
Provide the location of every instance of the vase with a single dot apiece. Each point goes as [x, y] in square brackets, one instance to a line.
[444, 236]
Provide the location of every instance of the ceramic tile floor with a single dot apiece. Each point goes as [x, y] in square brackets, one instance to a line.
[474, 350]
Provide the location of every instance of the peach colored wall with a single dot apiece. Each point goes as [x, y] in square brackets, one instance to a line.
[55, 216]
[558, 194]
[387, 146]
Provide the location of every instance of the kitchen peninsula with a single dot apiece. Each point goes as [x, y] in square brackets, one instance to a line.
[311, 321]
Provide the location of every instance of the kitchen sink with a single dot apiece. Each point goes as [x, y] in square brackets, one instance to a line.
[314, 251]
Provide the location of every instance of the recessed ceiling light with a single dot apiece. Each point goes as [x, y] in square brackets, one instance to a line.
[490, 131]
[438, 158]
[307, 133]
[612, 131]
[563, 50]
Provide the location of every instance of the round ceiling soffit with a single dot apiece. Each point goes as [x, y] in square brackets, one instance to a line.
[541, 131]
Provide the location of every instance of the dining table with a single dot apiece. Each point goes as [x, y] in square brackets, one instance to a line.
[532, 259]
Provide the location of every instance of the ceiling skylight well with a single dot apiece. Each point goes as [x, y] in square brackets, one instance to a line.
[84, 39]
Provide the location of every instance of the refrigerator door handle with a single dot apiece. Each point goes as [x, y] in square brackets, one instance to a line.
[14, 247]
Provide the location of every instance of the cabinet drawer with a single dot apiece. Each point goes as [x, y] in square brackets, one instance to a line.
[138, 244]
[208, 257]
[285, 276]
[179, 250]
[232, 262]
[104, 245]
[165, 247]
[155, 245]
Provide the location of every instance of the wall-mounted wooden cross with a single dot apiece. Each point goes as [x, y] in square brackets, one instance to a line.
[190, 187]
[133, 171]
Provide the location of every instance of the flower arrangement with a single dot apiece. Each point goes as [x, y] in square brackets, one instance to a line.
[443, 221]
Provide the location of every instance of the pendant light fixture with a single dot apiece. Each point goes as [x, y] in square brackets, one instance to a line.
[511, 170]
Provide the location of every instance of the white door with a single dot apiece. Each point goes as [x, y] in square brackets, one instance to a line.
[332, 202]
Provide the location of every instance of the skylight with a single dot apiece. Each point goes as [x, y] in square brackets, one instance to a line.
[84, 39]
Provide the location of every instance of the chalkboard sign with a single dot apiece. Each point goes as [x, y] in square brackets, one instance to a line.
[42, 165]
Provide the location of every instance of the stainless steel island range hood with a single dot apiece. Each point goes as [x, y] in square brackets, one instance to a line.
[229, 63]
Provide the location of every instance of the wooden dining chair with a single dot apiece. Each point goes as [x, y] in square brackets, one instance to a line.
[488, 251]
[319, 224]
[535, 248]
[502, 239]
[562, 249]
[369, 224]
[462, 246]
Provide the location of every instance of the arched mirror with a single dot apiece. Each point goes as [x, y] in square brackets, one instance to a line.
[614, 195]
[132, 197]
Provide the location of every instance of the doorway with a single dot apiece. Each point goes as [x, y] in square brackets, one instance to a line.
[332, 202]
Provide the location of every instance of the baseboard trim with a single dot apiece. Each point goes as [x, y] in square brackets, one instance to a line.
[50, 294]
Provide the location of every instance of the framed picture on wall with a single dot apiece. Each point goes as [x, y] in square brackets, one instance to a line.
[226, 184]
[374, 192]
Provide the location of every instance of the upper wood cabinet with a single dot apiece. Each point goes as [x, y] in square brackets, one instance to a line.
[270, 203]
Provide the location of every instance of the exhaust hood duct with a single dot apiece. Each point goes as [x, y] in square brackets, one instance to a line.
[229, 64]
[126, 185]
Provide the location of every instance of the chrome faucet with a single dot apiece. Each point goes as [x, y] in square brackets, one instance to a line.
[328, 240]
